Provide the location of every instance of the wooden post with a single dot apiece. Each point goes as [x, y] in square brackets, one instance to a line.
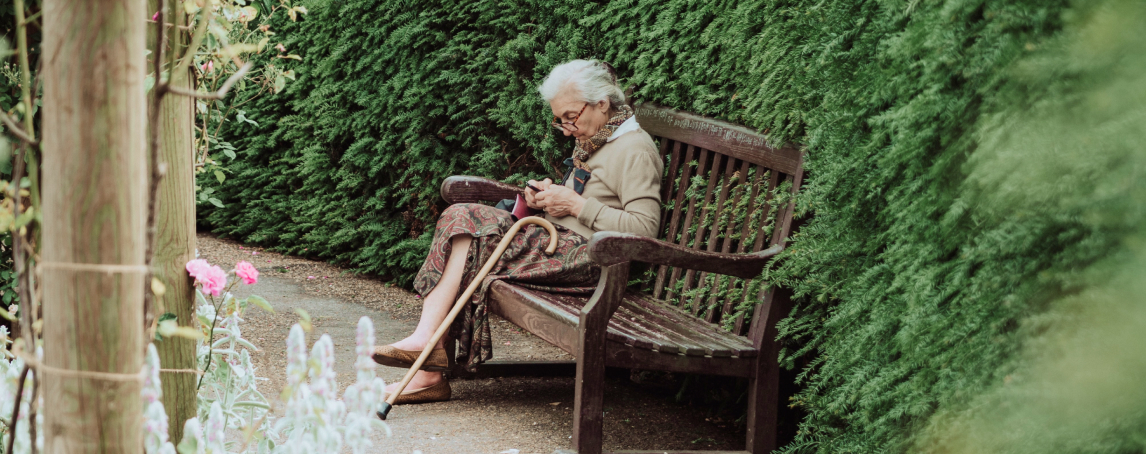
[175, 225]
[94, 214]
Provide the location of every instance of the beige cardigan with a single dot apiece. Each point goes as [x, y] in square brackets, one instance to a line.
[624, 192]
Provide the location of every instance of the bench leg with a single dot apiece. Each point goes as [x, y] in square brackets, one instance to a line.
[589, 399]
[764, 386]
[763, 393]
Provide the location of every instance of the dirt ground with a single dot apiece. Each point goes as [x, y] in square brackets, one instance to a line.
[530, 415]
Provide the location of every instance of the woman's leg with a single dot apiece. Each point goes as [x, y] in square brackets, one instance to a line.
[435, 307]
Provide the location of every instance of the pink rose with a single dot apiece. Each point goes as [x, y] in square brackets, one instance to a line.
[247, 272]
[197, 267]
[212, 278]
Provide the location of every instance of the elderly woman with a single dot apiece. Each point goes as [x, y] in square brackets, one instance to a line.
[613, 183]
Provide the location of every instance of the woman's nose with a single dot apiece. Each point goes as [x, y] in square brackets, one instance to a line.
[566, 132]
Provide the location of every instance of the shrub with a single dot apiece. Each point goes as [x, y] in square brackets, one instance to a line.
[912, 286]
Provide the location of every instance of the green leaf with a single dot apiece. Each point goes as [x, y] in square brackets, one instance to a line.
[242, 116]
[249, 403]
[25, 217]
[304, 321]
[261, 303]
[280, 82]
[216, 202]
[162, 318]
[189, 445]
[169, 328]
[220, 176]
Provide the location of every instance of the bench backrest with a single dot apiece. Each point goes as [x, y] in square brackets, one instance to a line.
[726, 189]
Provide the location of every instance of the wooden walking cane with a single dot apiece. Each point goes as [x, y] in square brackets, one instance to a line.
[461, 302]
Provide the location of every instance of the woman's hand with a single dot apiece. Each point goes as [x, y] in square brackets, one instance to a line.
[559, 200]
[531, 195]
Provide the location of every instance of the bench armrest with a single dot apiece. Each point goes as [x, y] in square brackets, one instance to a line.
[611, 248]
[465, 189]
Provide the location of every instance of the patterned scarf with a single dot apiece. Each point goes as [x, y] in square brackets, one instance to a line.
[586, 148]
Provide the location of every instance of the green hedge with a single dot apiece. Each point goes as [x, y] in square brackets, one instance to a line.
[915, 281]
[346, 162]
[9, 98]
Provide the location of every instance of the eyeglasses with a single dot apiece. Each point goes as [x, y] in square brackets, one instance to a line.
[570, 126]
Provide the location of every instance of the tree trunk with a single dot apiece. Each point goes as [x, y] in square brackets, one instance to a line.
[93, 216]
[175, 229]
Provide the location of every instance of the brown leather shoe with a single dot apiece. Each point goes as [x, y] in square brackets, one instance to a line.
[387, 355]
[439, 392]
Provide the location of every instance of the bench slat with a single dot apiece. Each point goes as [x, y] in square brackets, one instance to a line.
[685, 169]
[620, 355]
[631, 332]
[714, 236]
[626, 314]
[772, 185]
[619, 333]
[551, 324]
[728, 235]
[746, 229]
[653, 320]
[688, 216]
[713, 177]
[722, 137]
[639, 322]
[674, 167]
[738, 344]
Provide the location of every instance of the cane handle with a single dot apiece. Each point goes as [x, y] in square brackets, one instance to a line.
[542, 222]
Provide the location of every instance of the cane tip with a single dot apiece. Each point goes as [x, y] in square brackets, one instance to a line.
[385, 410]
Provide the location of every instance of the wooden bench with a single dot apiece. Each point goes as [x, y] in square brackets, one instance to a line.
[728, 212]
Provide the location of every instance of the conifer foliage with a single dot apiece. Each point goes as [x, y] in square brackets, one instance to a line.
[910, 297]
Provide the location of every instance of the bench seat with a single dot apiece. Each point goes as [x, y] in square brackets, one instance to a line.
[643, 329]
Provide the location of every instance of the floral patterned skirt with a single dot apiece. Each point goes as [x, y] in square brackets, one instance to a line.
[524, 263]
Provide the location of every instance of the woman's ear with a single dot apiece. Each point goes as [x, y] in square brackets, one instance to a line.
[603, 105]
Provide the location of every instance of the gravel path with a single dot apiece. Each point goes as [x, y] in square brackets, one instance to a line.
[531, 415]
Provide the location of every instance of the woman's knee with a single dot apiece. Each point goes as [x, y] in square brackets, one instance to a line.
[462, 209]
[461, 240]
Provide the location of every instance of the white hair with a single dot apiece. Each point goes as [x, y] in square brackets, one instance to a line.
[590, 78]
